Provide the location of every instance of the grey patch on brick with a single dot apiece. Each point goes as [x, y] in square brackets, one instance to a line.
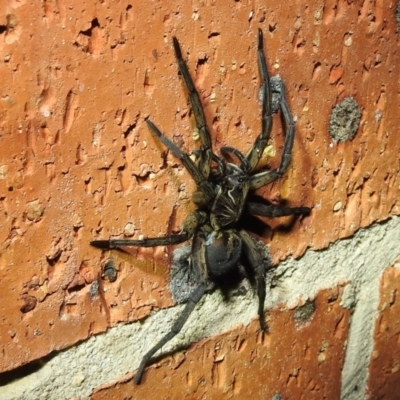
[94, 289]
[305, 312]
[359, 260]
[345, 120]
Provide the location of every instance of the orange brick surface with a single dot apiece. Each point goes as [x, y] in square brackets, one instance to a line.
[77, 161]
[384, 378]
[243, 364]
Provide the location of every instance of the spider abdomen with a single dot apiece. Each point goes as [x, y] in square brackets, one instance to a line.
[222, 252]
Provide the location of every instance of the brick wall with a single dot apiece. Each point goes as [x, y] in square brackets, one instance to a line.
[77, 162]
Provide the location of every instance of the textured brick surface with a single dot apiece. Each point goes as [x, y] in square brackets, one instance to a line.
[304, 363]
[77, 161]
[384, 380]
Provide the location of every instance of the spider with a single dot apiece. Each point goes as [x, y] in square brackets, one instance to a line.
[219, 244]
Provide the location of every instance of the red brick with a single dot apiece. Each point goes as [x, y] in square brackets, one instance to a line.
[76, 78]
[304, 362]
[384, 370]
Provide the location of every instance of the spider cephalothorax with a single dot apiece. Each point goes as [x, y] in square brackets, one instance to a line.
[219, 242]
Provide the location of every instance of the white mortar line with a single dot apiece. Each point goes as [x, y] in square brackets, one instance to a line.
[359, 260]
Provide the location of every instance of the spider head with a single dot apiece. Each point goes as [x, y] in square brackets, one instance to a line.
[236, 181]
[231, 195]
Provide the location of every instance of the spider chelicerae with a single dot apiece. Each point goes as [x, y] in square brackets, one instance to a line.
[220, 245]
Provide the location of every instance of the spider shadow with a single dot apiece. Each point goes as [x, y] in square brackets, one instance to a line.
[259, 225]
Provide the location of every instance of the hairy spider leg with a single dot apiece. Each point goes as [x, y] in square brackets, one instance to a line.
[256, 261]
[273, 211]
[265, 177]
[259, 145]
[149, 242]
[194, 298]
[197, 107]
[189, 228]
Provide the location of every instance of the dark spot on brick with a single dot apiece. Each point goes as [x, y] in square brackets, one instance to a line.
[305, 312]
[29, 303]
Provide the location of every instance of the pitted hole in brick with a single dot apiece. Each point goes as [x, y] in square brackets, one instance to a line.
[54, 253]
[128, 130]
[241, 344]
[29, 303]
[272, 27]
[77, 284]
[90, 40]
[316, 71]
[202, 68]
[94, 24]
[71, 106]
[80, 155]
[213, 35]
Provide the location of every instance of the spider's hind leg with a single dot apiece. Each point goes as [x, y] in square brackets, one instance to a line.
[258, 263]
[194, 298]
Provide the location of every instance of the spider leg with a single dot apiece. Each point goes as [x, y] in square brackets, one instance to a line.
[265, 177]
[149, 242]
[201, 182]
[189, 227]
[194, 298]
[275, 211]
[254, 155]
[256, 261]
[197, 107]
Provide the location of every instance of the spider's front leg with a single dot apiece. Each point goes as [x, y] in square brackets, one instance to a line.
[256, 151]
[188, 229]
[205, 155]
[202, 184]
[265, 177]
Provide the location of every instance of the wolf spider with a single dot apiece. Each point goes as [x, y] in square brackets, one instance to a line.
[219, 243]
